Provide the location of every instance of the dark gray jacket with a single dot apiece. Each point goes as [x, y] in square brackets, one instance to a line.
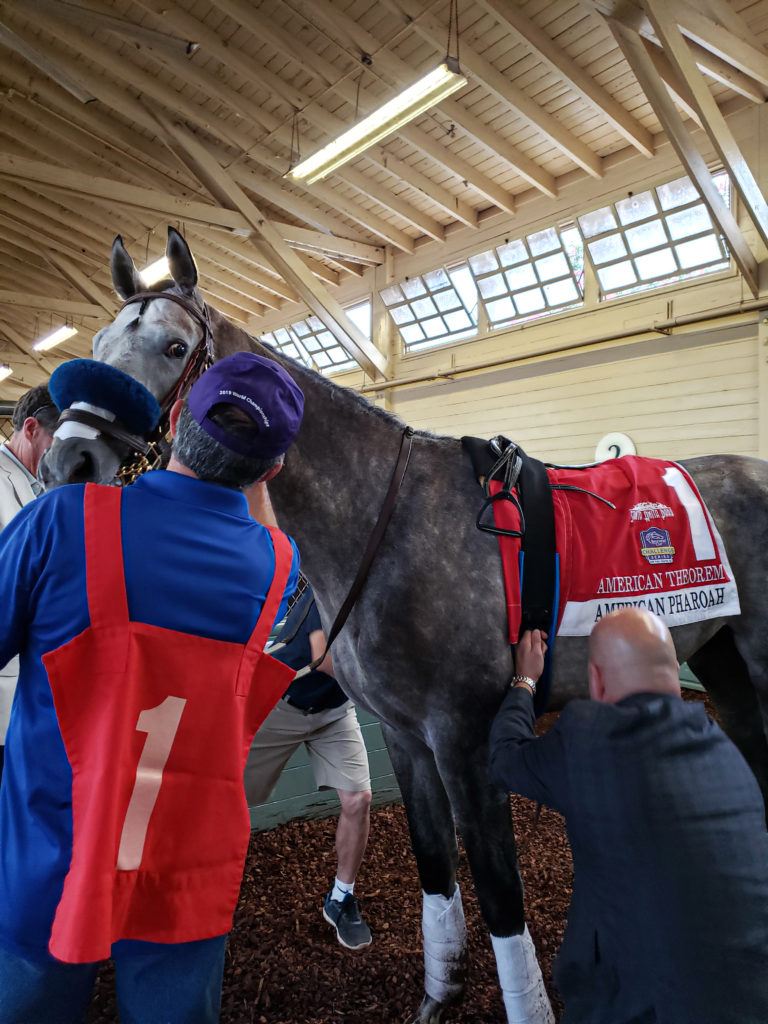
[669, 916]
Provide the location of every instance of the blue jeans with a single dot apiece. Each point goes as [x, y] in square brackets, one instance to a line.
[157, 983]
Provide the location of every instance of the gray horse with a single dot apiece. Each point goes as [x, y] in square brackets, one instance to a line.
[425, 648]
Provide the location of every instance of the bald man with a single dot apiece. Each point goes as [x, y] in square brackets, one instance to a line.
[669, 915]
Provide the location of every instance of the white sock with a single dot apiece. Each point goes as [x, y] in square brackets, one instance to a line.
[340, 889]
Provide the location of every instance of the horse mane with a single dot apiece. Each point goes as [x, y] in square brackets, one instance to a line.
[362, 403]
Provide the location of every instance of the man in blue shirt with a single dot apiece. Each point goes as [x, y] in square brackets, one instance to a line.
[195, 564]
[315, 711]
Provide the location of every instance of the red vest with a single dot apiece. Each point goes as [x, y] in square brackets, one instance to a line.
[157, 726]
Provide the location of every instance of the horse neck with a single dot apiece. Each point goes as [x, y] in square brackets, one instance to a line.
[337, 472]
[336, 475]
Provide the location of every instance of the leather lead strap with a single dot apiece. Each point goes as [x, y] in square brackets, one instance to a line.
[387, 508]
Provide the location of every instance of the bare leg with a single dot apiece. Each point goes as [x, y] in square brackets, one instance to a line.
[352, 832]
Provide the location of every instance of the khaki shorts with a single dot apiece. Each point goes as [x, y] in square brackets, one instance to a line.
[333, 740]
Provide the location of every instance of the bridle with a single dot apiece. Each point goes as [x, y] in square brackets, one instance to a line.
[147, 452]
[200, 360]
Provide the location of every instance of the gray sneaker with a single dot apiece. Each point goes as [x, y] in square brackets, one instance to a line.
[351, 929]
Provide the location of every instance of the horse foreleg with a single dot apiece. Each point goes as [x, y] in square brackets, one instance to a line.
[484, 819]
[734, 676]
[433, 837]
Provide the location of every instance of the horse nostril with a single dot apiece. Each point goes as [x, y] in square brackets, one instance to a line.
[83, 469]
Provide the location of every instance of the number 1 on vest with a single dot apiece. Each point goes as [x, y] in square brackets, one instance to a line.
[161, 725]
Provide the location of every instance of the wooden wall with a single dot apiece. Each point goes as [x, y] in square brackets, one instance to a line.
[696, 400]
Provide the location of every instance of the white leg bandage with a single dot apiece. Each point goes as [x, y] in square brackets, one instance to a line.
[445, 944]
[522, 987]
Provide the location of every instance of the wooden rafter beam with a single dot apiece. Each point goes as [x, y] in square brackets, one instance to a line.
[678, 89]
[636, 55]
[50, 302]
[558, 59]
[510, 95]
[23, 346]
[267, 239]
[721, 41]
[714, 123]
[12, 41]
[331, 244]
[83, 284]
[138, 35]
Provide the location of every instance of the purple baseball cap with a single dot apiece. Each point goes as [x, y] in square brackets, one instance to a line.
[263, 389]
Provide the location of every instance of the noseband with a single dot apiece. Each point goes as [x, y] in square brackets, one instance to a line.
[147, 453]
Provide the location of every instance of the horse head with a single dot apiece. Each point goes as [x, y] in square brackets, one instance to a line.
[161, 338]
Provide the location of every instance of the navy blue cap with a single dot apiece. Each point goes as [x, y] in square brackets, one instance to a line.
[86, 380]
[263, 389]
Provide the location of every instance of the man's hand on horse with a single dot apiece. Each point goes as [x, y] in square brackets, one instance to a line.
[529, 658]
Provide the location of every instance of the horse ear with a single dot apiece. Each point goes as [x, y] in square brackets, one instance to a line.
[124, 275]
[181, 262]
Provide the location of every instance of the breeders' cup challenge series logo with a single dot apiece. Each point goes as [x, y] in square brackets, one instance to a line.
[656, 546]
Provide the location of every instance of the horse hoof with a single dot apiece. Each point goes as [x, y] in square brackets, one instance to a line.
[430, 1012]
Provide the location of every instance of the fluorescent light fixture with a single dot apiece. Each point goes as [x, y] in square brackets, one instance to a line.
[404, 107]
[54, 338]
[5, 371]
[156, 271]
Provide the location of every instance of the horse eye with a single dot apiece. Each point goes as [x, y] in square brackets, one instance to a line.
[176, 350]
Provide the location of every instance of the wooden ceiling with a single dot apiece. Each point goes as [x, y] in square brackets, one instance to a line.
[127, 115]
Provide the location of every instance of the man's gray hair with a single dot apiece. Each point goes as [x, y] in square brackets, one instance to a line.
[211, 461]
[38, 404]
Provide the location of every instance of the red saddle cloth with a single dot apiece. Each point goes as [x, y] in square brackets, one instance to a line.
[657, 548]
[157, 726]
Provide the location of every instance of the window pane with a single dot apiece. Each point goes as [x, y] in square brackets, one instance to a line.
[436, 279]
[530, 301]
[544, 241]
[447, 300]
[698, 251]
[361, 317]
[610, 248]
[301, 327]
[465, 285]
[691, 221]
[520, 277]
[597, 222]
[676, 193]
[491, 286]
[551, 267]
[484, 262]
[618, 276]
[434, 328]
[512, 252]
[391, 295]
[402, 314]
[413, 288]
[311, 344]
[458, 321]
[636, 208]
[411, 333]
[424, 307]
[314, 323]
[282, 336]
[656, 264]
[646, 236]
[560, 292]
[502, 309]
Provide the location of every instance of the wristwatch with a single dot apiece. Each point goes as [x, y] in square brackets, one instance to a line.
[524, 679]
